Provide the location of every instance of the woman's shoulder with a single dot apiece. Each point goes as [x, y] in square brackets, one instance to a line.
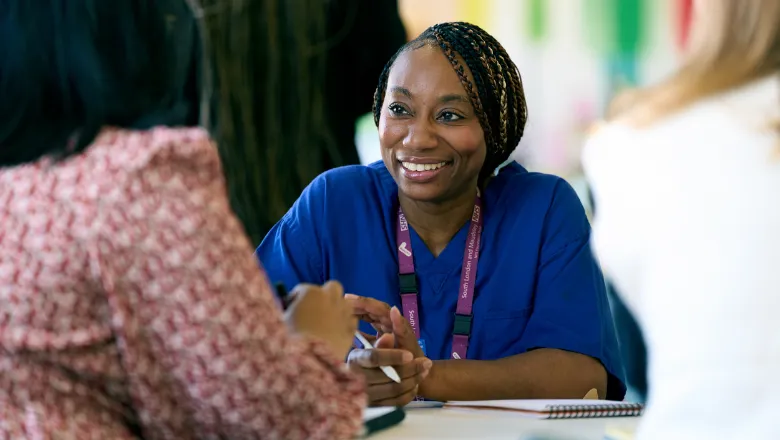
[135, 149]
[537, 201]
[342, 196]
[116, 158]
[516, 186]
[715, 127]
[119, 162]
[362, 183]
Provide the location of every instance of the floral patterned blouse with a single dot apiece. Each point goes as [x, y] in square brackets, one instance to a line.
[131, 306]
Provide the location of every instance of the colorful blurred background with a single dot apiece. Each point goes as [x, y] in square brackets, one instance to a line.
[610, 44]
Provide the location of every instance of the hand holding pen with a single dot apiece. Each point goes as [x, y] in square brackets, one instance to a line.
[320, 313]
[398, 349]
[287, 300]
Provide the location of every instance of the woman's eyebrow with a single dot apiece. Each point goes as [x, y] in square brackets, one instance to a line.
[402, 90]
[454, 97]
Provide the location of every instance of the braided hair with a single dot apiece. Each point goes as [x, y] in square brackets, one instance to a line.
[496, 92]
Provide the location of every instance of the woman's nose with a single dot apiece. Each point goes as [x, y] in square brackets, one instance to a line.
[420, 136]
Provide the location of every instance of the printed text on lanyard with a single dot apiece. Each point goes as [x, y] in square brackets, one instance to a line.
[468, 277]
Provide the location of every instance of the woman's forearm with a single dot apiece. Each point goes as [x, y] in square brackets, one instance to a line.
[538, 374]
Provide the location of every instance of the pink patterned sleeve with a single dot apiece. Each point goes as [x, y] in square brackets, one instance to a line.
[201, 336]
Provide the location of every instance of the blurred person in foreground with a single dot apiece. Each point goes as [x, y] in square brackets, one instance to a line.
[131, 305]
[291, 80]
[685, 179]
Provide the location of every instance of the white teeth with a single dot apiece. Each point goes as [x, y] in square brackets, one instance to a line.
[422, 166]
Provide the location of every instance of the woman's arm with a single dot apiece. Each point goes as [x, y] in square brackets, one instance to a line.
[568, 346]
[201, 336]
[542, 373]
[538, 374]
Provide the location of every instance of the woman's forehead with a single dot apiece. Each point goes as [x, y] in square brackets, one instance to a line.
[428, 70]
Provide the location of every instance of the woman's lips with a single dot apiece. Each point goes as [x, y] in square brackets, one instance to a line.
[413, 171]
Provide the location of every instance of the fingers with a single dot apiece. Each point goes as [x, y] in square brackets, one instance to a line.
[399, 401]
[368, 306]
[335, 292]
[352, 324]
[370, 338]
[374, 358]
[380, 324]
[334, 288]
[423, 367]
[393, 394]
[379, 329]
[405, 337]
[375, 376]
[371, 310]
[401, 326]
[387, 340]
[418, 367]
[399, 394]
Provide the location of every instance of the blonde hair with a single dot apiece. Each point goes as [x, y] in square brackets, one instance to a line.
[733, 42]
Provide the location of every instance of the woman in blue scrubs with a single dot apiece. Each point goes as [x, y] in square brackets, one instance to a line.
[494, 273]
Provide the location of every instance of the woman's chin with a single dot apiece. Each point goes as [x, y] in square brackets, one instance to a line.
[422, 192]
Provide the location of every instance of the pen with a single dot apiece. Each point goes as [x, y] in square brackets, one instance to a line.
[388, 370]
[284, 297]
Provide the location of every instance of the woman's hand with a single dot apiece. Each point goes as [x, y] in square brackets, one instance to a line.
[383, 391]
[372, 311]
[396, 347]
[323, 313]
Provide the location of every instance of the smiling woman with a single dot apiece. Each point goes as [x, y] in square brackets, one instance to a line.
[501, 296]
[426, 106]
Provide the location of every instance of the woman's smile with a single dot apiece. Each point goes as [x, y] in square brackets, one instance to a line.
[432, 142]
[422, 171]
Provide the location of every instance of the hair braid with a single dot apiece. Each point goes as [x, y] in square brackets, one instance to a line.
[496, 93]
[497, 76]
[483, 113]
[475, 53]
[517, 105]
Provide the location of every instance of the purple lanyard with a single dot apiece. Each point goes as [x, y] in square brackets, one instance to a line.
[468, 277]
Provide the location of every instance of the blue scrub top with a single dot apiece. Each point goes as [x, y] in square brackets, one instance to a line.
[538, 285]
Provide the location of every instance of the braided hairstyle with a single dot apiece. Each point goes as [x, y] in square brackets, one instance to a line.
[496, 92]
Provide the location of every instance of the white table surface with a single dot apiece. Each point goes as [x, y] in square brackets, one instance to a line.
[481, 424]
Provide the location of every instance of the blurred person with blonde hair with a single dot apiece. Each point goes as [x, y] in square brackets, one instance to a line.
[685, 180]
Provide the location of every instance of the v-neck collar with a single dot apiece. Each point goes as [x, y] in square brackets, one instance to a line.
[451, 256]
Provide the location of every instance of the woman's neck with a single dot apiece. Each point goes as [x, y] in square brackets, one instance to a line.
[437, 222]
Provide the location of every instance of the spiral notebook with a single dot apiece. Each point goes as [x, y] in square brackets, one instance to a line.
[557, 409]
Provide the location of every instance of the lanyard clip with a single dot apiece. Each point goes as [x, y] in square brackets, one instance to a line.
[408, 282]
[462, 325]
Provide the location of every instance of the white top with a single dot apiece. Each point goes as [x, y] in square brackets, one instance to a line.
[688, 228]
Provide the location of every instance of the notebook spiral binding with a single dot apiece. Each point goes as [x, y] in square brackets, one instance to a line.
[586, 411]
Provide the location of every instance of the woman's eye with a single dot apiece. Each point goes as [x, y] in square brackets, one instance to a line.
[397, 109]
[450, 117]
